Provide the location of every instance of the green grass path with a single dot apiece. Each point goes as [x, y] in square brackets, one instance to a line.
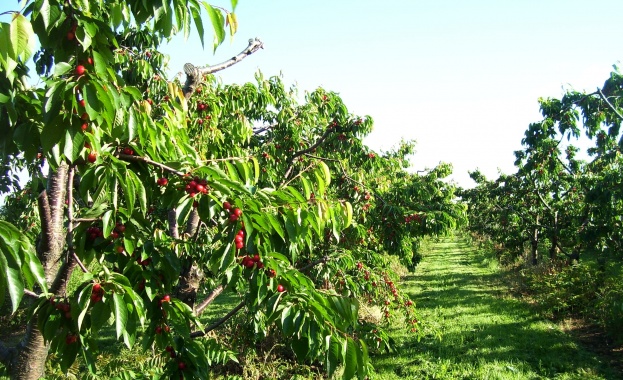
[484, 332]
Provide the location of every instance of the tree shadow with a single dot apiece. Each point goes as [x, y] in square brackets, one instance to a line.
[495, 328]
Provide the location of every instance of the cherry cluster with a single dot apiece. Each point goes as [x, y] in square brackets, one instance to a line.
[63, 307]
[196, 186]
[118, 231]
[414, 218]
[97, 293]
[251, 262]
[234, 214]
[94, 232]
[71, 338]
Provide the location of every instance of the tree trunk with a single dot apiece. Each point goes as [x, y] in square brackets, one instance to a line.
[553, 250]
[535, 244]
[31, 353]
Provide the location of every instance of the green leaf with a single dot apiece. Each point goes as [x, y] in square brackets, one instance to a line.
[61, 68]
[84, 299]
[108, 223]
[218, 24]
[350, 359]
[333, 355]
[23, 39]
[121, 313]
[349, 214]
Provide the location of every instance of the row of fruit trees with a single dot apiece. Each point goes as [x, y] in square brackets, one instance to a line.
[156, 197]
[567, 192]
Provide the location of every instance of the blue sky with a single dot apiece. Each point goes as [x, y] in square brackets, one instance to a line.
[462, 78]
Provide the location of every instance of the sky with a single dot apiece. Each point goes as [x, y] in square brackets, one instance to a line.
[461, 78]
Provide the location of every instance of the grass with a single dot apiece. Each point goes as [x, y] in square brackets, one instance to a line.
[482, 332]
[477, 330]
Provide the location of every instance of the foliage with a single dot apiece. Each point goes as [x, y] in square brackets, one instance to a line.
[564, 201]
[159, 191]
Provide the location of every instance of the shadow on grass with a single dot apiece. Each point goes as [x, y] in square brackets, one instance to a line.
[483, 332]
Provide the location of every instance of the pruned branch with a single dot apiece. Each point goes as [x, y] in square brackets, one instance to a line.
[195, 74]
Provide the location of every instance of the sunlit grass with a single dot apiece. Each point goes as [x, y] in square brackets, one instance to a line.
[482, 332]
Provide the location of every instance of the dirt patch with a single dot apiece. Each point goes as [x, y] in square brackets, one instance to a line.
[594, 339]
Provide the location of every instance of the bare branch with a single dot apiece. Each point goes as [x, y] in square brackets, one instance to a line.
[30, 293]
[195, 74]
[603, 97]
[216, 324]
[149, 161]
[304, 151]
[209, 299]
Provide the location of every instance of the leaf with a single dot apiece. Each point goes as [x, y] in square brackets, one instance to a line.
[61, 68]
[326, 172]
[350, 359]
[108, 223]
[121, 313]
[349, 214]
[23, 39]
[217, 24]
[333, 355]
[10, 280]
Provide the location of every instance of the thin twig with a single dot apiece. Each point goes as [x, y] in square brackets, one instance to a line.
[216, 324]
[603, 97]
[149, 161]
[30, 293]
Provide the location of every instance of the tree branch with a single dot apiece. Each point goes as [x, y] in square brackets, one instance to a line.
[216, 324]
[195, 74]
[235, 310]
[603, 97]
[209, 299]
[304, 151]
[149, 161]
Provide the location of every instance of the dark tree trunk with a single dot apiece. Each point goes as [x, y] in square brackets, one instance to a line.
[28, 362]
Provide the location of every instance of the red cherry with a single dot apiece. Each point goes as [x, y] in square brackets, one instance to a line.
[80, 69]
[237, 212]
[92, 157]
[239, 245]
[271, 273]
[90, 61]
[97, 287]
[280, 288]
[256, 258]
[200, 188]
[120, 249]
[84, 127]
[239, 239]
[166, 298]
[181, 366]
[227, 205]
[71, 36]
[158, 330]
[82, 103]
[233, 218]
